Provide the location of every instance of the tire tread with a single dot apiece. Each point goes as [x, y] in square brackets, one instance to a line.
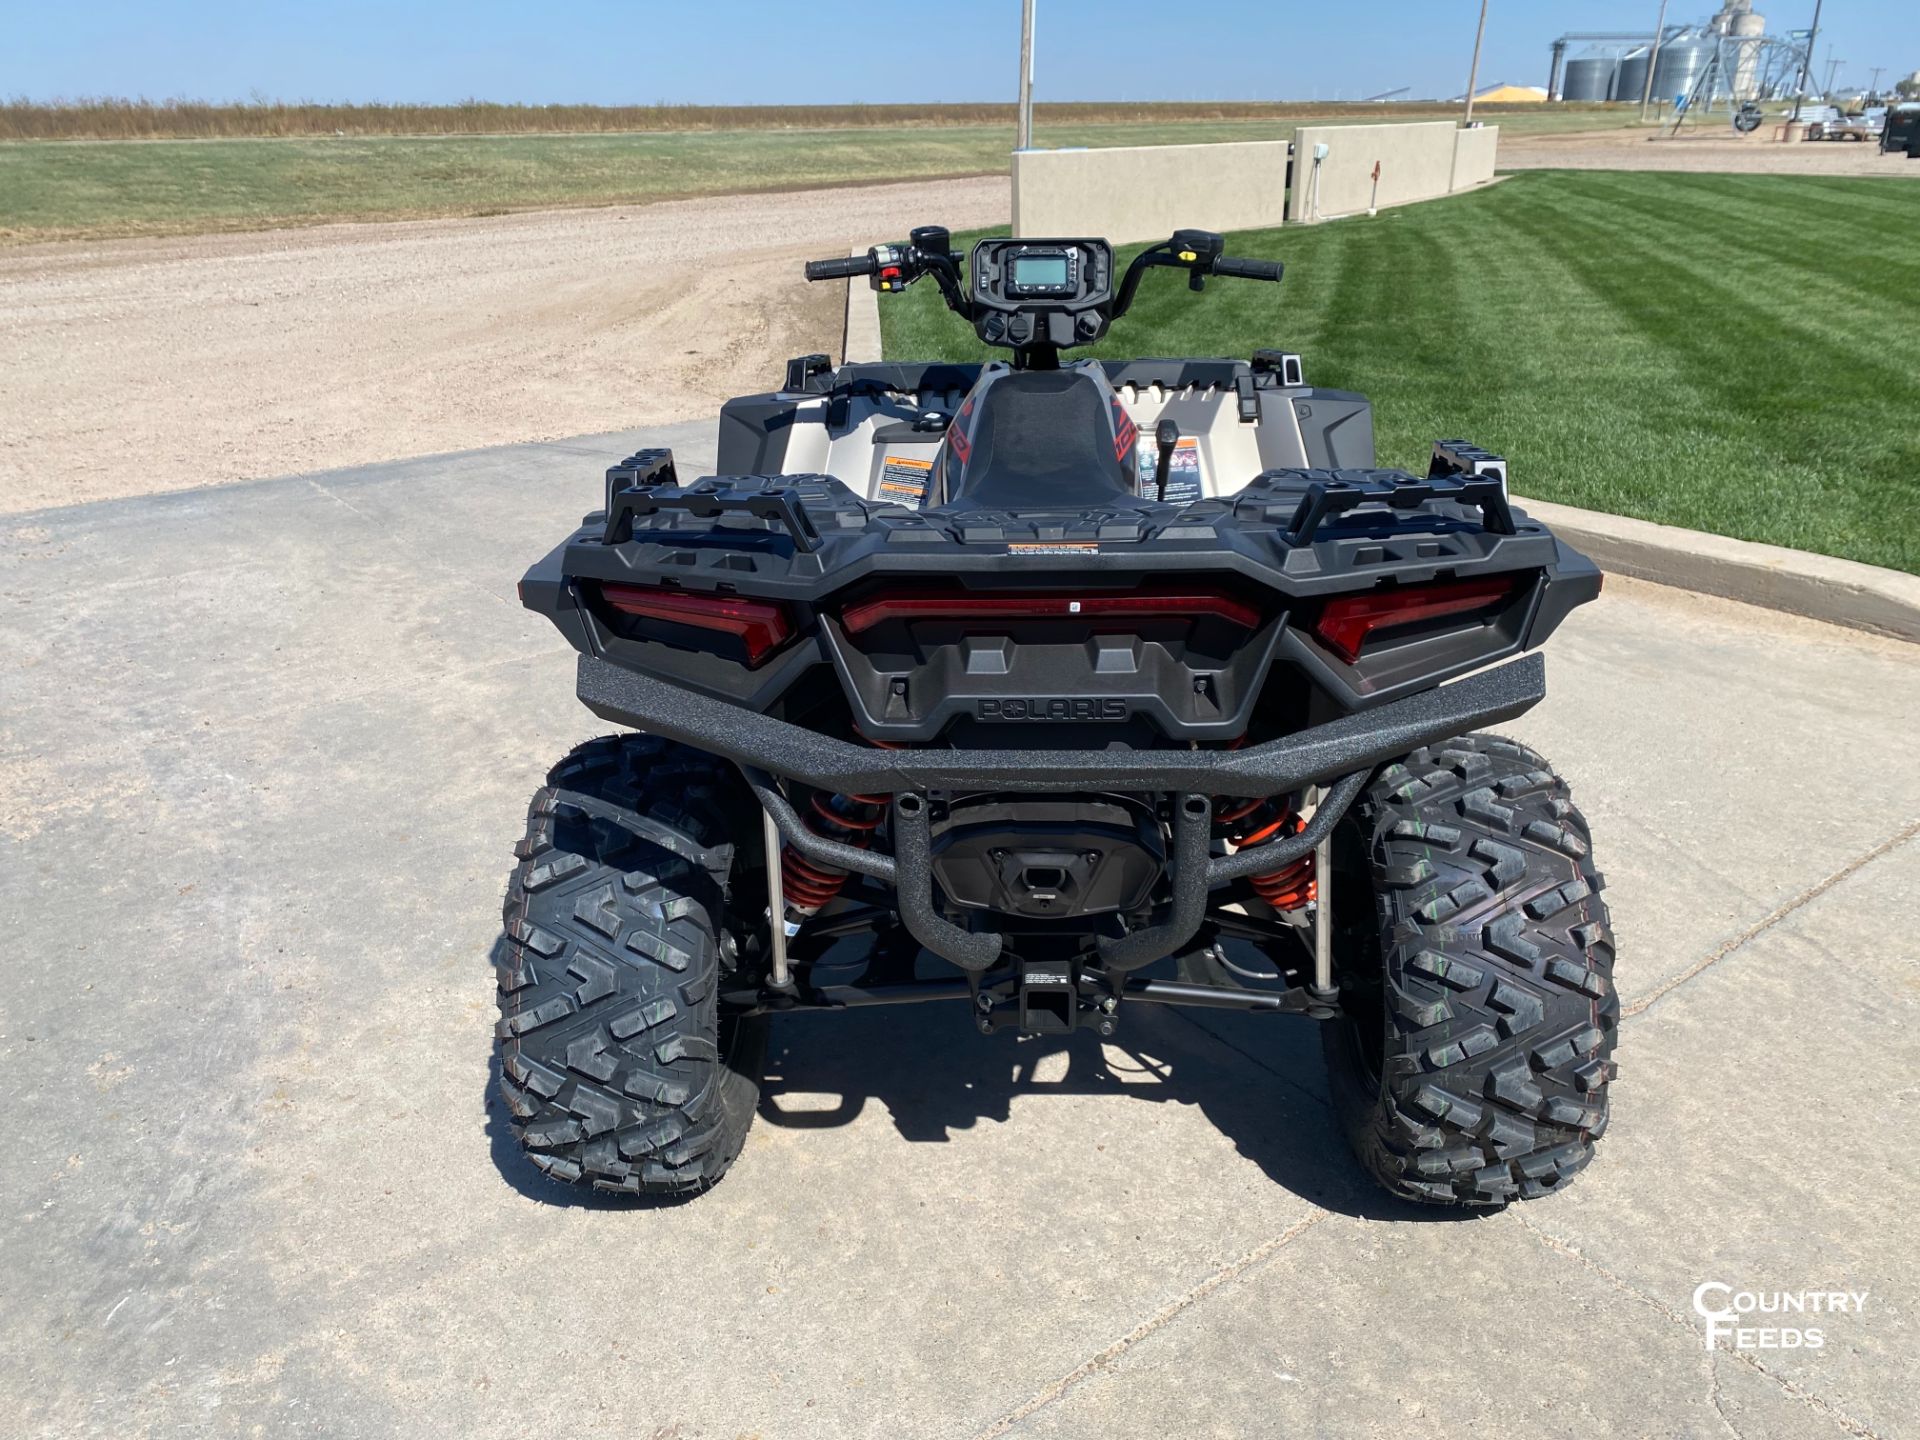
[1499, 1010]
[617, 1069]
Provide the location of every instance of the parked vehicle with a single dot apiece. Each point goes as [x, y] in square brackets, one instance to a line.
[1903, 124]
[1830, 122]
[1847, 127]
[1055, 690]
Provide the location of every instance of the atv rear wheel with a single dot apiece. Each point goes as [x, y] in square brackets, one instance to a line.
[616, 1064]
[1471, 1065]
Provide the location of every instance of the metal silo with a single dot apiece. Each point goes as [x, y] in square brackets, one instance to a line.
[1680, 65]
[1630, 82]
[1589, 78]
[1747, 30]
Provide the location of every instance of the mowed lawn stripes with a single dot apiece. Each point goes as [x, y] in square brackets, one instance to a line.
[1725, 353]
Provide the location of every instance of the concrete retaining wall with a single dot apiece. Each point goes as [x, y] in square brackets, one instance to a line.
[1417, 162]
[1147, 192]
[1473, 156]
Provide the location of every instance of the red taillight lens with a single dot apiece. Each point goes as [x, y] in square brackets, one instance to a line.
[1344, 624]
[963, 605]
[761, 626]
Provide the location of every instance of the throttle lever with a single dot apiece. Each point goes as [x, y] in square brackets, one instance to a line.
[1166, 436]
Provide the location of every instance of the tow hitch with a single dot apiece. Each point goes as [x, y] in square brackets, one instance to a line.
[1056, 997]
[1046, 997]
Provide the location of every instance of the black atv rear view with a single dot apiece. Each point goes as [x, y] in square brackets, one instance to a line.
[1060, 688]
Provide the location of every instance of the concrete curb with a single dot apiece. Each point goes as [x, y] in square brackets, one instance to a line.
[860, 339]
[1840, 592]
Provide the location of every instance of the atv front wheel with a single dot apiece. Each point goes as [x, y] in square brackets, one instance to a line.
[615, 1062]
[1471, 1064]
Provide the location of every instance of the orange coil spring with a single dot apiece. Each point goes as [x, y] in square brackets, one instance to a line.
[1257, 822]
[850, 819]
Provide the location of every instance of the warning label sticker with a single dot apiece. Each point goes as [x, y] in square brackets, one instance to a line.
[903, 481]
[1053, 547]
[1183, 474]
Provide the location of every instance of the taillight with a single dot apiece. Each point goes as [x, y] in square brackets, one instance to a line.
[761, 626]
[1345, 623]
[966, 605]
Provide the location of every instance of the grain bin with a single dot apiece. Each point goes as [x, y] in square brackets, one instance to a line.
[1681, 64]
[1589, 78]
[1747, 30]
[1630, 82]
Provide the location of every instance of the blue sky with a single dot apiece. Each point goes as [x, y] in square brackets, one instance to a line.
[747, 51]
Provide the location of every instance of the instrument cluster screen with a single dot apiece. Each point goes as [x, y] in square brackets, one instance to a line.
[1035, 271]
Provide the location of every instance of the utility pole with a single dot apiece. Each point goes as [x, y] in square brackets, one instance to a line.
[1653, 58]
[1473, 74]
[1873, 86]
[1806, 60]
[1026, 75]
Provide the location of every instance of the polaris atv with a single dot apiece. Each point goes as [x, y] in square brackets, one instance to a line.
[1054, 690]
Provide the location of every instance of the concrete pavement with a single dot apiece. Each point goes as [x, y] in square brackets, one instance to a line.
[263, 750]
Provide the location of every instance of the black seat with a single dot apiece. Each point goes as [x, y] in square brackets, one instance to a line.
[1043, 442]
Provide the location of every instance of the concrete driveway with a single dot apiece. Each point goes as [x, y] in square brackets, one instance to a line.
[263, 751]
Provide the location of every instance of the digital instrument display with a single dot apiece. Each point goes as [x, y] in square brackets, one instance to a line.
[1039, 270]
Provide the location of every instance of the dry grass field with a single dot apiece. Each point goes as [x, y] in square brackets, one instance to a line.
[117, 119]
[257, 168]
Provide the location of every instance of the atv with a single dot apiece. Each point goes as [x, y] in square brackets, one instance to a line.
[1052, 689]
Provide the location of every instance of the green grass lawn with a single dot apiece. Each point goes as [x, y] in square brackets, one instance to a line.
[1726, 353]
[76, 189]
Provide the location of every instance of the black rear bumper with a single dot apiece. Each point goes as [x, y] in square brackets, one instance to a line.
[1339, 754]
[1324, 752]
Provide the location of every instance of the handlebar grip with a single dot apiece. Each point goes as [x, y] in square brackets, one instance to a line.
[1249, 269]
[843, 269]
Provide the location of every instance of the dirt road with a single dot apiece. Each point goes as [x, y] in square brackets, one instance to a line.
[130, 367]
[1711, 148]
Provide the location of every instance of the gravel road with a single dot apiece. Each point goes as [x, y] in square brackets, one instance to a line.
[1712, 148]
[130, 367]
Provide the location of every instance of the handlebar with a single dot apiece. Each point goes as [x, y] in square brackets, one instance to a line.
[1047, 328]
[1198, 253]
[1249, 269]
[843, 269]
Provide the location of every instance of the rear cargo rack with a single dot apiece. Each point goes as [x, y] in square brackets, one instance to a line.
[646, 484]
[1459, 474]
[1291, 506]
[1326, 499]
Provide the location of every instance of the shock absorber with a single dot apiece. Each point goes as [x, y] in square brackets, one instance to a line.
[850, 819]
[1260, 822]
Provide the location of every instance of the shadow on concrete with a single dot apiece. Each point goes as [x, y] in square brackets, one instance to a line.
[1258, 1078]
